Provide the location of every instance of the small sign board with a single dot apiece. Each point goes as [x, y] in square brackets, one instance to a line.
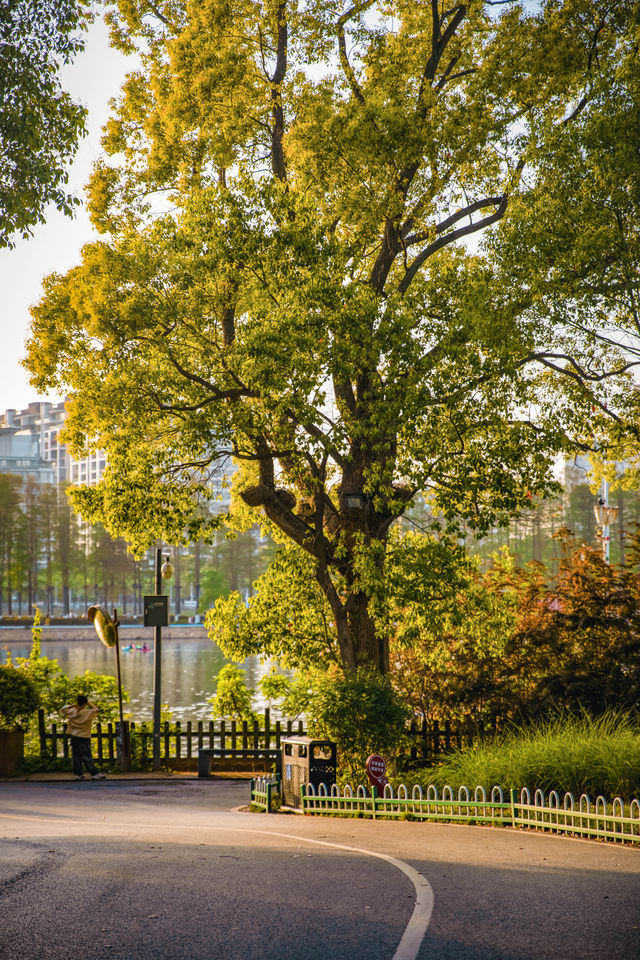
[156, 610]
[376, 770]
[376, 765]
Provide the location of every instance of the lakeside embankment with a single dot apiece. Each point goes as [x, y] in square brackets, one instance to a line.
[128, 633]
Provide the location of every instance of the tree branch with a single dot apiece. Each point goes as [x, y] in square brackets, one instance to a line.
[342, 47]
[218, 394]
[277, 153]
[579, 371]
[450, 238]
[276, 507]
[575, 375]
[392, 240]
[593, 53]
[439, 43]
[178, 408]
[454, 218]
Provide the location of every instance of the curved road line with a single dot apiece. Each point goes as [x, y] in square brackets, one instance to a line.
[417, 926]
[419, 921]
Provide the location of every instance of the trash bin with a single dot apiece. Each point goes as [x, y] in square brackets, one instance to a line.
[306, 761]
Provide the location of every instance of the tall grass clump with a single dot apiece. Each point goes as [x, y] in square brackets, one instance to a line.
[577, 754]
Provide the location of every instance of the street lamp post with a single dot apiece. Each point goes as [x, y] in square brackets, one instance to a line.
[605, 515]
[107, 629]
[163, 571]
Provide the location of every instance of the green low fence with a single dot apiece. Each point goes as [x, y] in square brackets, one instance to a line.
[266, 793]
[614, 821]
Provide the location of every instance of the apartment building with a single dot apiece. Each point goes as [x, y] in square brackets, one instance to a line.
[20, 455]
[30, 439]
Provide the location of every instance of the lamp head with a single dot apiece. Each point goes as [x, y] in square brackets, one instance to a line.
[603, 513]
[105, 626]
[612, 514]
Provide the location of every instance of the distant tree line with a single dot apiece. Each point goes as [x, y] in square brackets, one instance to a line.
[531, 536]
[49, 557]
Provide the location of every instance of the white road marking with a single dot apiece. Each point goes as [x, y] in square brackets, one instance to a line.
[419, 921]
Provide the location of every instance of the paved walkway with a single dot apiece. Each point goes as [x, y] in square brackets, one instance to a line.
[150, 867]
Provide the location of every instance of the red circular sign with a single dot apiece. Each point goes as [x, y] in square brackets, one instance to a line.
[376, 765]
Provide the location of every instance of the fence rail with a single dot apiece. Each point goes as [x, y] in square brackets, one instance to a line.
[178, 742]
[266, 790]
[431, 739]
[614, 820]
[181, 741]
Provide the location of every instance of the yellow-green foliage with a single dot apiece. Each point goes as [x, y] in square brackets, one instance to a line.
[19, 698]
[232, 699]
[285, 275]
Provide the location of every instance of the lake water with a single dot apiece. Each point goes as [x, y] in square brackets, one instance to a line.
[189, 667]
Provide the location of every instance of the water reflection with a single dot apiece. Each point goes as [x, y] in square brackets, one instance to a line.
[188, 671]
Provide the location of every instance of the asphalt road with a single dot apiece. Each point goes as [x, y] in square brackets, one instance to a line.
[131, 870]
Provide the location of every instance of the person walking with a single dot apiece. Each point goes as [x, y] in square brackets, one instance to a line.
[79, 717]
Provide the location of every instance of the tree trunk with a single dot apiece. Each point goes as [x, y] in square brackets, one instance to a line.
[362, 524]
[537, 538]
[65, 588]
[360, 645]
[370, 648]
[621, 522]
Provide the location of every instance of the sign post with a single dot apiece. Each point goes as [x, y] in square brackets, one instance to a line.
[156, 615]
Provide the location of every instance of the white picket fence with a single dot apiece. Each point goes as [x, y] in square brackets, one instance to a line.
[614, 820]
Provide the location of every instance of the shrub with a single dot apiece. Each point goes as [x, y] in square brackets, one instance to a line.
[362, 714]
[18, 697]
[232, 699]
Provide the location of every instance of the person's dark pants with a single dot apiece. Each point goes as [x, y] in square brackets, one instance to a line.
[81, 755]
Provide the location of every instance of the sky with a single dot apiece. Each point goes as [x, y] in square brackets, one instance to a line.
[93, 79]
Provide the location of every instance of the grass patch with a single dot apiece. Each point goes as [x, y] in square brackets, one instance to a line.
[597, 756]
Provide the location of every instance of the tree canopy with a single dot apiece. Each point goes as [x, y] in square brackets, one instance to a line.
[366, 251]
[40, 125]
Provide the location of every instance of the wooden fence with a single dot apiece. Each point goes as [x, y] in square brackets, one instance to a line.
[429, 740]
[180, 742]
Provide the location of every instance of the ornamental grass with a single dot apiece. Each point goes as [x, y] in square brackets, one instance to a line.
[592, 755]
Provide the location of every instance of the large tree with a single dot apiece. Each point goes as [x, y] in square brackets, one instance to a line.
[365, 250]
[40, 124]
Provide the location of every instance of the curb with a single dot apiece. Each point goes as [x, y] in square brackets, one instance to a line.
[120, 778]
